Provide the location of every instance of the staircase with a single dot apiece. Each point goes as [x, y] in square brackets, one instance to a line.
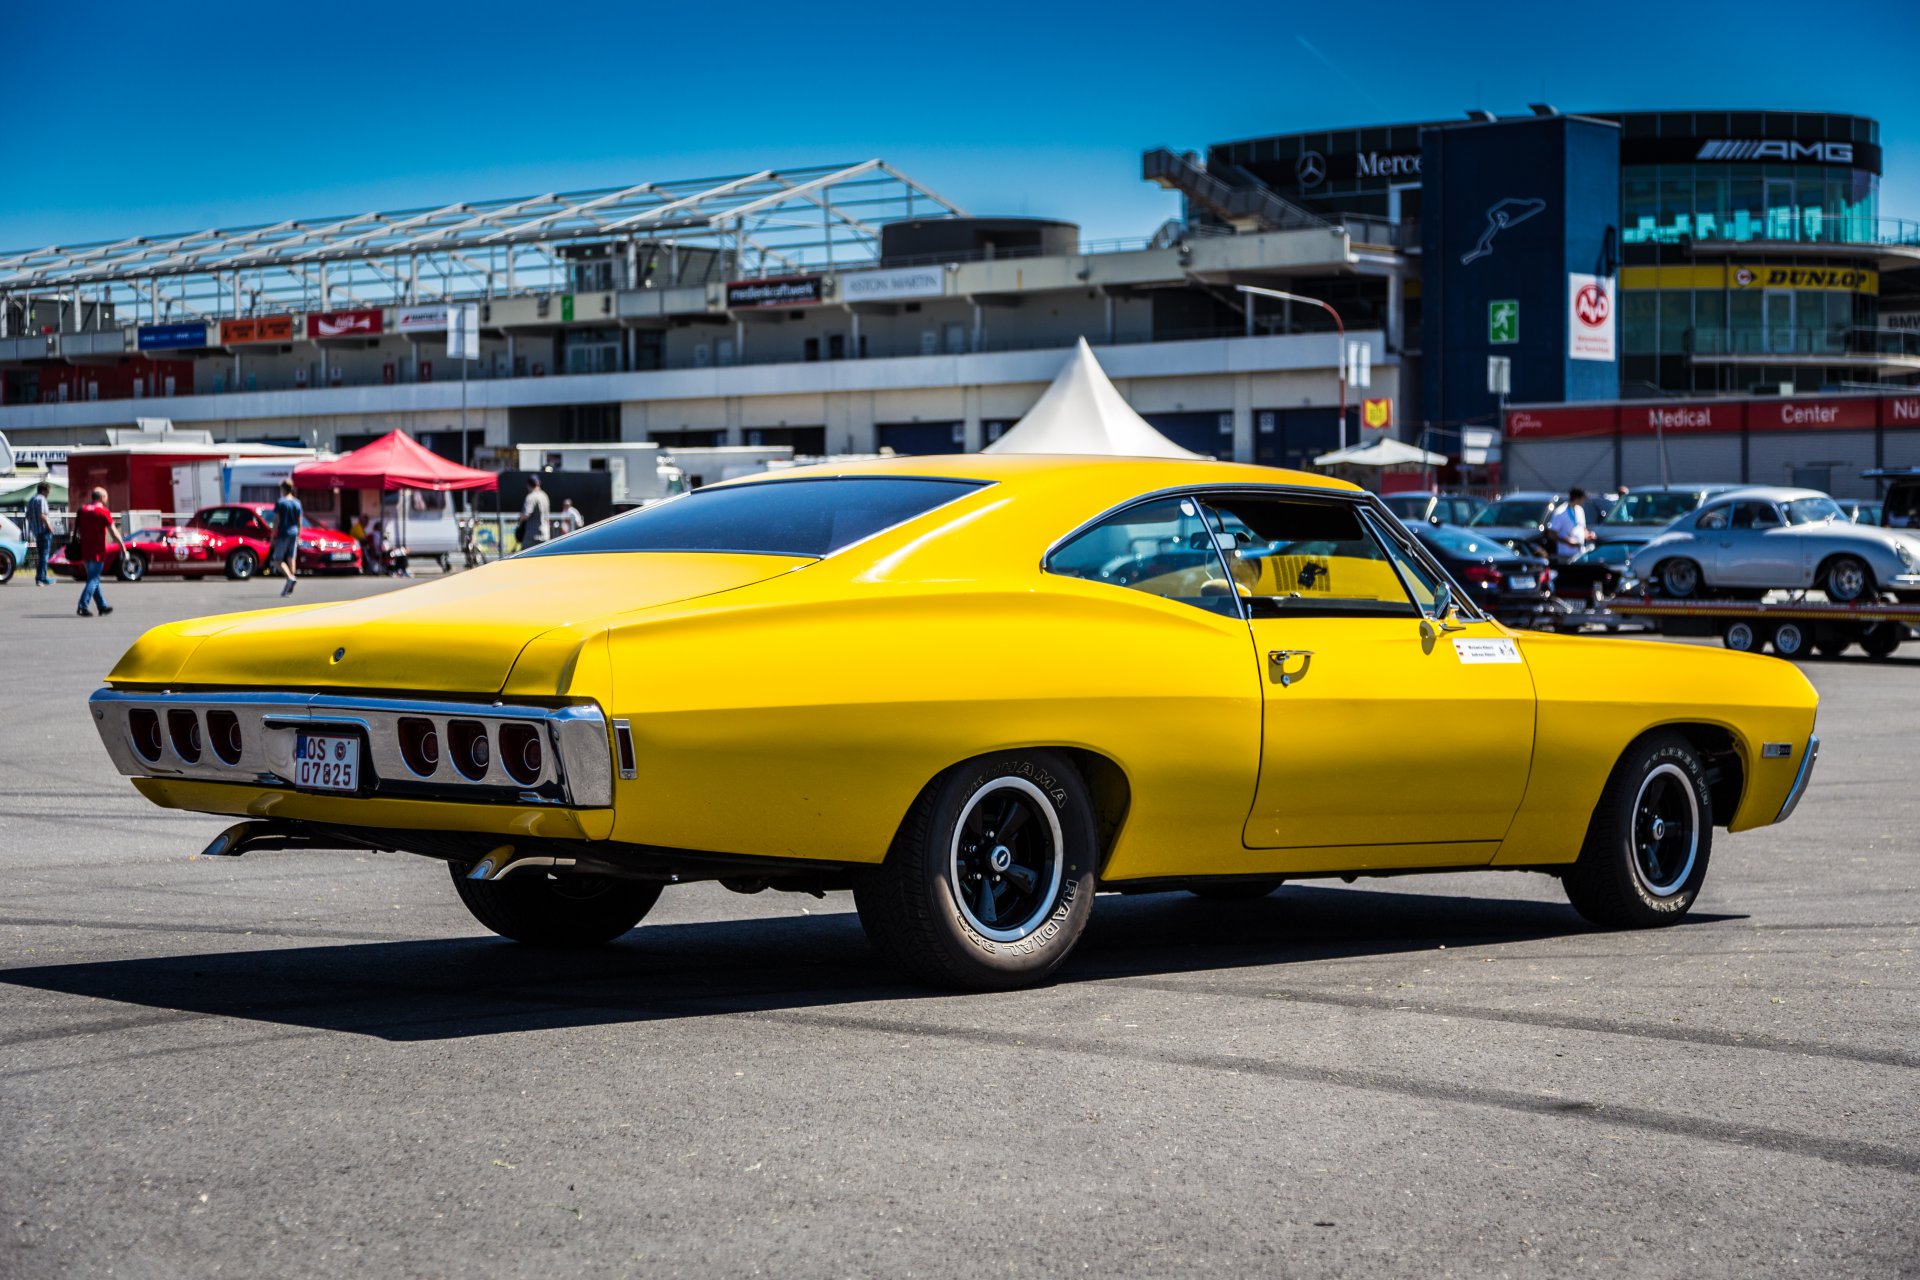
[1245, 204]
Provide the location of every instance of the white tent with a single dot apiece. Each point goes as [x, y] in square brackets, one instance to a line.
[1082, 412]
[1381, 454]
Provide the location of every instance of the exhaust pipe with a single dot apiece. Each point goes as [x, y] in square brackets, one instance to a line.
[261, 837]
[501, 863]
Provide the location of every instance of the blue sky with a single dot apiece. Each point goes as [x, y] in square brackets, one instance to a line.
[143, 119]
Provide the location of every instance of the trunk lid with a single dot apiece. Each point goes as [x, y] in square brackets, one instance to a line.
[461, 633]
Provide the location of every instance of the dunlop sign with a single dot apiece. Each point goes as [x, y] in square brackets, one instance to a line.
[1850, 279]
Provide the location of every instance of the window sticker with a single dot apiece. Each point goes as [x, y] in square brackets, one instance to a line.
[1476, 652]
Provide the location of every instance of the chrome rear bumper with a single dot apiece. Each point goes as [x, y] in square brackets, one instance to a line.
[249, 738]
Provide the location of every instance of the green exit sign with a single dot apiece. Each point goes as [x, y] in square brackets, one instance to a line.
[1503, 321]
[566, 308]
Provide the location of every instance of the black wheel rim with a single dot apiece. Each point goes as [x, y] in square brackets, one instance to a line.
[1666, 830]
[1682, 578]
[1007, 859]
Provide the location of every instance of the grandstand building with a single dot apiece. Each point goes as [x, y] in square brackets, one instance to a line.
[837, 309]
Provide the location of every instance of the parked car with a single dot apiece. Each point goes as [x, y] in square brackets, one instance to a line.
[1900, 506]
[1640, 514]
[177, 551]
[1515, 588]
[250, 524]
[1862, 511]
[1755, 540]
[1427, 507]
[13, 549]
[1597, 574]
[965, 718]
[1520, 519]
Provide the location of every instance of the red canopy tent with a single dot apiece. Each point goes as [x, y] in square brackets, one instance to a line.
[394, 461]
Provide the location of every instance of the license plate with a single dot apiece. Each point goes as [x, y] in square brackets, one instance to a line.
[326, 762]
[340, 555]
[1522, 583]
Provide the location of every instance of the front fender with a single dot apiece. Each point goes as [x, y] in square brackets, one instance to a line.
[1596, 696]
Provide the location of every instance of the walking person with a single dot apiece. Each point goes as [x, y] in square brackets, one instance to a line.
[40, 533]
[535, 513]
[1568, 527]
[567, 518]
[92, 527]
[287, 517]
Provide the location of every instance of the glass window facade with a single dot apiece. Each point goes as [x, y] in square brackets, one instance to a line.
[1801, 204]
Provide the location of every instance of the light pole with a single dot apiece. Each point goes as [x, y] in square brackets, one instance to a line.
[1340, 329]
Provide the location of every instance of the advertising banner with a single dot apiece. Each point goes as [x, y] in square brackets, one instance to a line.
[1540, 424]
[171, 337]
[1590, 319]
[892, 283]
[345, 324]
[237, 333]
[420, 319]
[1802, 415]
[1900, 411]
[773, 291]
[1695, 417]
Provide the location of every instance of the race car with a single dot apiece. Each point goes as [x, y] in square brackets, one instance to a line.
[178, 551]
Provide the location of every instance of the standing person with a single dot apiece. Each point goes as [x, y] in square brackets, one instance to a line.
[92, 526]
[567, 519]
[534, 515]
[40, 533]
[287, 517]
[1568, 527]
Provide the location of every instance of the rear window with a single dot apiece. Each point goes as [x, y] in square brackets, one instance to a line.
[1515, 511]
[770, 517]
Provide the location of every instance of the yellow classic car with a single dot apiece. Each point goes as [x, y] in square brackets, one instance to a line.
[975, 690]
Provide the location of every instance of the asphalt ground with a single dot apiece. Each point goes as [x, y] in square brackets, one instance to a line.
[316, 1063]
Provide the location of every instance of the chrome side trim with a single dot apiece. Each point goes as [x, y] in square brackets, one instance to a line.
[576, 768]
[1800, 779]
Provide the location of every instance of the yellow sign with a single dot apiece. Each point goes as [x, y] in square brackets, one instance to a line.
[1759, 275]
[1377, 413]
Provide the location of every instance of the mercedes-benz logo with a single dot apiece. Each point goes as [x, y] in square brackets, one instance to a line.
[1310, 169]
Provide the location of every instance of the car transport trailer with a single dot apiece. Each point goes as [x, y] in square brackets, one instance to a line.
[1794, 628]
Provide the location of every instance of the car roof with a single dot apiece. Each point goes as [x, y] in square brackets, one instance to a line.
[1120, 476]
[1769, 492]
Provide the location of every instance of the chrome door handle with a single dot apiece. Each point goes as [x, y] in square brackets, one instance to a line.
[1279, 658]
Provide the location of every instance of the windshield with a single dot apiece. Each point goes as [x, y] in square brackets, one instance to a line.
[1813, 511]
[1651, 508]
[1458, 542]
[768, 517]
[1511, 511]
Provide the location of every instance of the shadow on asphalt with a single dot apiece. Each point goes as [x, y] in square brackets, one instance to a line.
[440, 989]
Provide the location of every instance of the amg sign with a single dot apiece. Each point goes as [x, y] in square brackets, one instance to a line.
[1729, 149]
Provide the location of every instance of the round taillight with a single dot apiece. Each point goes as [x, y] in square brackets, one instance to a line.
[520, 752]
[183, 730]
[143, 726]
[467, 742]
[420, 745]
[223, 734]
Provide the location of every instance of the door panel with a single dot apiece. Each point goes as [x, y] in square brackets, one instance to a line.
[1385, 739]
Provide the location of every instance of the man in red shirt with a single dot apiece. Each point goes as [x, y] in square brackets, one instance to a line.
[93, 525]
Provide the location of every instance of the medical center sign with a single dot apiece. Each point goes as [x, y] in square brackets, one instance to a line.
[1590, 319]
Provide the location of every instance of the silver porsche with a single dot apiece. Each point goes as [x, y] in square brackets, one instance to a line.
[1747, 542]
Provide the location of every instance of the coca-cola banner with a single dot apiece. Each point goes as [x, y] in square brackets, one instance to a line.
[345, 324]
